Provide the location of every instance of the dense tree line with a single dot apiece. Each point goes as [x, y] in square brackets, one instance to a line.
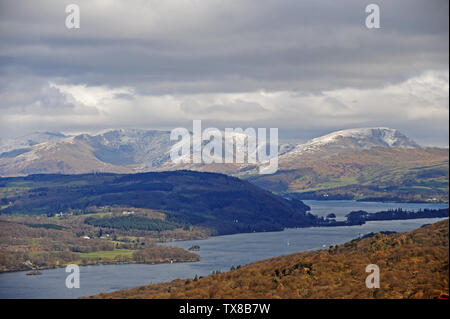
[159, 254]
[131, 222]
[395, 214]
[23, 247]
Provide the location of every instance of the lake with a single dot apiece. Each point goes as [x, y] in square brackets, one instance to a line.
[217, 253]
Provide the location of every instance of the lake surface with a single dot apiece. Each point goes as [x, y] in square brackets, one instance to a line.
[217, 253]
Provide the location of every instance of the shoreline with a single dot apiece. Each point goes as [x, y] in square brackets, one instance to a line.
[98, 264]
[301, 267]
[215, 255]
[370, 200]
[330, 225]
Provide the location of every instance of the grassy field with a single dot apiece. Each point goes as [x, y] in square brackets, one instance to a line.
[108, 254]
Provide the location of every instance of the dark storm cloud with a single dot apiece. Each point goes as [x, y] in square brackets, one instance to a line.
[260, 44]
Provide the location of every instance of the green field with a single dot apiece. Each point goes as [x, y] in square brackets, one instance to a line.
[107, 254]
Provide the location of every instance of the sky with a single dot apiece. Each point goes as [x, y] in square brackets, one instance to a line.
[305, 67]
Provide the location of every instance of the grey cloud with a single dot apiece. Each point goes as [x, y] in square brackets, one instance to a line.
[261, 44]
[238, 106]
[182, 48]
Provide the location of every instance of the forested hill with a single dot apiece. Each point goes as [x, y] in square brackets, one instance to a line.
[219, 202]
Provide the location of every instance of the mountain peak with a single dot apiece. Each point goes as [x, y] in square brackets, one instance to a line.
[128, 132]
[30, 139]
[358, 138]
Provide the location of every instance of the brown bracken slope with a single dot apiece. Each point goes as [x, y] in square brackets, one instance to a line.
[412, 265]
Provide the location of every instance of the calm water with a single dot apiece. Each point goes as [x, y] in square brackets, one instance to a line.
[217, 253]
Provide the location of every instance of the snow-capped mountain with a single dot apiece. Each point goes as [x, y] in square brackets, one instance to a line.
[140, 149]
[134, 150]
[120, 150]
[355, 139]
[25, 141]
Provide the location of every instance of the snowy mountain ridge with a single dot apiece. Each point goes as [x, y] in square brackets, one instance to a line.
[137, 150]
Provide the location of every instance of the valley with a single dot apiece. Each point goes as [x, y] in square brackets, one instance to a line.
[107, 216]
[218, 254]
[50, 221]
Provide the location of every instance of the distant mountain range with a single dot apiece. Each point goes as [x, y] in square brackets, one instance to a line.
[119, 151]
[133, 150]
[363, 163]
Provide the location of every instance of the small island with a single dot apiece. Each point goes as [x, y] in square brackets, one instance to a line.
[360, 217]
[194, 248]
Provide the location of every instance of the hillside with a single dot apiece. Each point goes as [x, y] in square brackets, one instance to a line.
[218, 202]
[380, 173]
[412, 265]
[41, 242]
